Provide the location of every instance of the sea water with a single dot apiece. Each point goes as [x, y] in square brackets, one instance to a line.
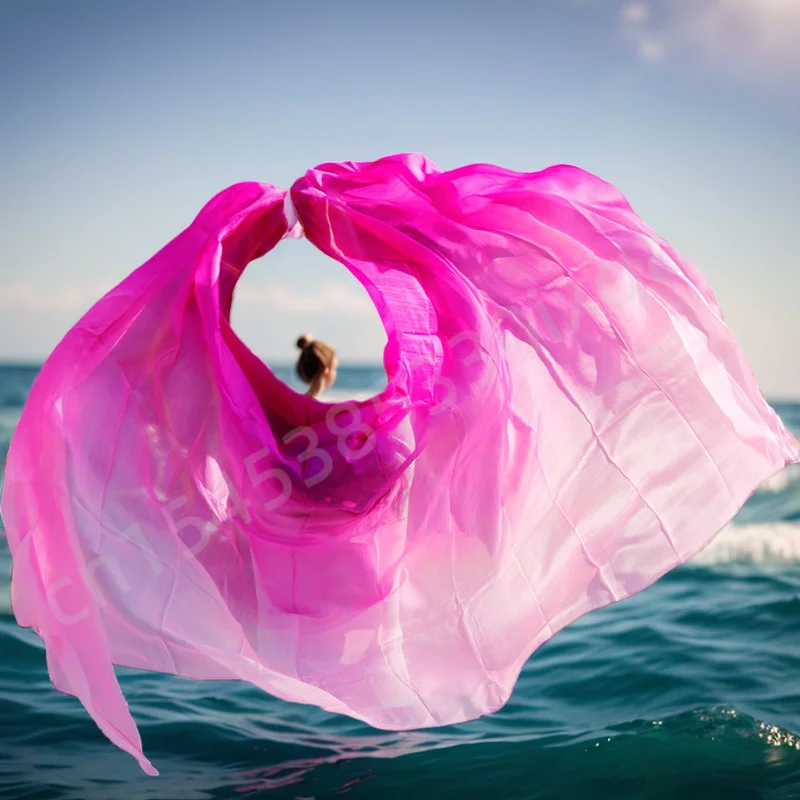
[690, 689]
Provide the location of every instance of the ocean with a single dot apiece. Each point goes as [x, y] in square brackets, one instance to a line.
[690, 689]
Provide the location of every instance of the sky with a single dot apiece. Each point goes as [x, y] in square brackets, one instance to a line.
[118, 121]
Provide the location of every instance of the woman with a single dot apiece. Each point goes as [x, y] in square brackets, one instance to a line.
[316, 365]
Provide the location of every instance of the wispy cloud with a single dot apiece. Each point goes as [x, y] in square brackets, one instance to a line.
[268, 316]
[331, 297]
[754, 38]
[650, 43]
[30, 298]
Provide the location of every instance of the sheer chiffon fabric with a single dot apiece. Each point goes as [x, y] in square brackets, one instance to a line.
[567, 418]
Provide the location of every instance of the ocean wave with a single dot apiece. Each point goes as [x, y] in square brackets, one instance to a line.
[782, 481]
[765, 543]
[718, 752]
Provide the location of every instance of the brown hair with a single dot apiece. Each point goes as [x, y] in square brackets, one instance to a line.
[315, 358]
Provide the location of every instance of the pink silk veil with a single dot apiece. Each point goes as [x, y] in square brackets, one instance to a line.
[567, 418]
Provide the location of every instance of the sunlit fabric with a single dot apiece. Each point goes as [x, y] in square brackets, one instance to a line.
[567, 417]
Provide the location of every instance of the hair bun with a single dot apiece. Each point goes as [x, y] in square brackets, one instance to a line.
[304, 341]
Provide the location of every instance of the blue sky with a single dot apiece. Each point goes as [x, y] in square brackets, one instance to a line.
[120, 120]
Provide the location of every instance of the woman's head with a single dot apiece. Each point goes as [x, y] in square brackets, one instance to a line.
[317, 364]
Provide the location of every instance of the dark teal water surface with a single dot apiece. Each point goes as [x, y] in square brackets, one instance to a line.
[690, 689]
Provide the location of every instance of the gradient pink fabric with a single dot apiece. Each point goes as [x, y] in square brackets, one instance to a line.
[567, 418]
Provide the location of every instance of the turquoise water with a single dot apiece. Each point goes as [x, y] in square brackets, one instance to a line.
[689, 690]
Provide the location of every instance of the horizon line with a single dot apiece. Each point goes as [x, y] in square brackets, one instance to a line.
[28, 363]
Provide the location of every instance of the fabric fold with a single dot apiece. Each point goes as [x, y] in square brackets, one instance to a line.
[566, 418]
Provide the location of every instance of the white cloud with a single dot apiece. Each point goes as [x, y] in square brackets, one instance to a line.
[27, 297]
[634, 13]
[651, 48]
[331, 297]
[754, 38]
[268, 316]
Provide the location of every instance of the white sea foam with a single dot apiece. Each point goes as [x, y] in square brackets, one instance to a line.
[782, 481]
[777, 484]
[768, 543]
[343, 395]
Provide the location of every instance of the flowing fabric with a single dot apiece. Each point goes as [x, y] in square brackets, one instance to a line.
[567, 417]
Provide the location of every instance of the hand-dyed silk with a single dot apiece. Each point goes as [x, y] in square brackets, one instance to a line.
[567, 418]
